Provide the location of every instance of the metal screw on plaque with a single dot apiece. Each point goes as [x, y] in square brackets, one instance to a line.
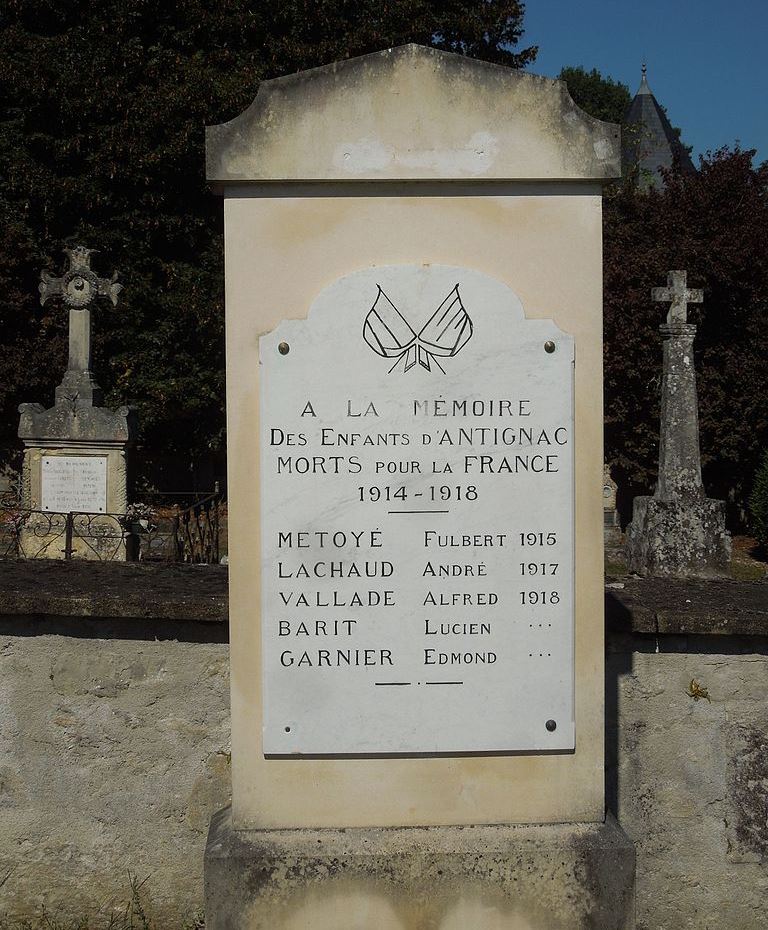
[551, 725]
[549, 346]
[283, 348]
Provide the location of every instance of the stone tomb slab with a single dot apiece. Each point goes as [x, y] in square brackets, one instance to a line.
[74, 483]
[418, 520]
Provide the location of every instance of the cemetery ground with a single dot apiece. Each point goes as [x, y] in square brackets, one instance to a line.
[750, 561]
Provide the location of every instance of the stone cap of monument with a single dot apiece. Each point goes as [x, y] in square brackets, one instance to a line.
[412, 113]
[70, 423]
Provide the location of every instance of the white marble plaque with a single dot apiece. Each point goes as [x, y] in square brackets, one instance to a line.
[417, 521]
[74, 483]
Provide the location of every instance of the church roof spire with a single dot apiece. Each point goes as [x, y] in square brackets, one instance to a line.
[650, 142]
[644, 88]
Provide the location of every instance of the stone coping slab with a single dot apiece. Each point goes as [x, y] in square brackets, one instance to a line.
[108, 590]
[371, 118]
[682, 606]
[173, 591]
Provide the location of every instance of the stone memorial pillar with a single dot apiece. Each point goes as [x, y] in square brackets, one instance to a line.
[414, 350]
[74, 472]
[679, 531]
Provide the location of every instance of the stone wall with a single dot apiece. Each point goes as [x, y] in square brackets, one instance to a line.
[687, 747]
[114, 741]
[114, 754]
[689, 778]
[114, 734]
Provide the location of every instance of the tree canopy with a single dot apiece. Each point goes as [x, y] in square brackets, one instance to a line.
[101, 137]
[712, 224]
[601, 97]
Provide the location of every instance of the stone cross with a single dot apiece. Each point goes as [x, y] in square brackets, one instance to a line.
[679, 531]
[79, 287]
[679, 457]
[679, 295]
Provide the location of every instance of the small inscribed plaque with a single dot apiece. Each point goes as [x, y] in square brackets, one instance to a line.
[417, 520]
[74, 483]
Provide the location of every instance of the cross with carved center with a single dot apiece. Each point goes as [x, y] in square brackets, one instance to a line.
[679, 295]
[79, 287]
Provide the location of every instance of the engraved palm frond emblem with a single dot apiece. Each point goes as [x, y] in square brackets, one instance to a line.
[444, 334]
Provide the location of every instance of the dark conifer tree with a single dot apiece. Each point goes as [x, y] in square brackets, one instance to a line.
[103, 106]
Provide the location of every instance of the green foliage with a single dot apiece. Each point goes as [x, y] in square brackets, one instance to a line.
[712, 224]
[601, 97]
[747, 570]
[758, 504]
[102, 143]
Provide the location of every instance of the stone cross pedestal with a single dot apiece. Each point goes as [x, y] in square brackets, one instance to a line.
[679, 531]
[75, 451]
[611, 524]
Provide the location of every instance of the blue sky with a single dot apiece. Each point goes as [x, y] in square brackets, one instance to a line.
[707, 60]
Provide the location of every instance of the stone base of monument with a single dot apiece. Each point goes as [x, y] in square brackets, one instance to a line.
[539, 877]
[678, 537]
[612, 535]
[86, 536]
[75, 482]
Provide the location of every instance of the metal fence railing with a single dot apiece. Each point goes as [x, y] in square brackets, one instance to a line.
[146, 533]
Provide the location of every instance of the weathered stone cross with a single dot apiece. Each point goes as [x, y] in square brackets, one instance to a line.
[679, 294]
[79, 287]
[679, 531]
